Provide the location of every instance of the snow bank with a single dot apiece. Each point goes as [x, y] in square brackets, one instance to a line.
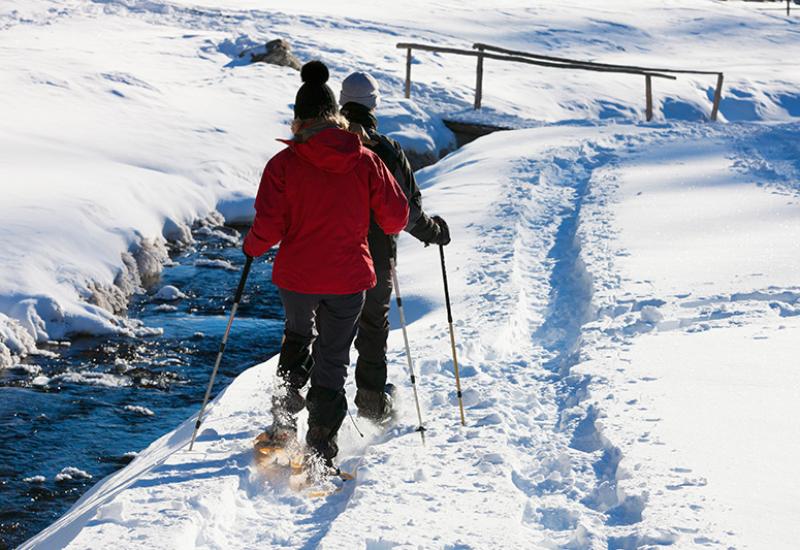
[128, 146]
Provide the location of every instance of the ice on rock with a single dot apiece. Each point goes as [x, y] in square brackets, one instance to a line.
[169, 293]
[15, 341]
[138, 409]
[215, 264]
[35, 479]
[40, 381]
[71, 473]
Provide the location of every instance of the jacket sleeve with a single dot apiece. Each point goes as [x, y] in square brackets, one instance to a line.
[408, 183]
[419, 224]
[387, 200]
[269, 225]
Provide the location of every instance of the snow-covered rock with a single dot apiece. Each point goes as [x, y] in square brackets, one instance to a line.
[70, 473]
[169, 293]
[138, 409]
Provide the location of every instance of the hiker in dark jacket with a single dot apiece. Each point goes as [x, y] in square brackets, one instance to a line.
[317, 198]
[359, 99]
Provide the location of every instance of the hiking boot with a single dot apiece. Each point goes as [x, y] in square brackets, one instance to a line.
[326, 411]
[287, 402]
[376, 406]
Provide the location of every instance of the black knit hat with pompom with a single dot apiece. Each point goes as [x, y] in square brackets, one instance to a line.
[314, 98]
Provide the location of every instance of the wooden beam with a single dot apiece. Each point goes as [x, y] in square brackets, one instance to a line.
[648, 90]
[574, 66]
[587, 63]
[717, 97]
[408, 73]
[479, 82]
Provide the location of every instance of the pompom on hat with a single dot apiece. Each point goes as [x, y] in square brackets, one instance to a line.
[314, 99]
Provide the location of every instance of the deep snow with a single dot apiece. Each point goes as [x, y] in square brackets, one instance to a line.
[625, 294]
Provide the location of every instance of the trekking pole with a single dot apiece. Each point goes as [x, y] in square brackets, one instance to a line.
[421, 428]
[452, 336]
[235, 306]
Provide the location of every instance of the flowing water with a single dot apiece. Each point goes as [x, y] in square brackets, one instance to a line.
[86, 409]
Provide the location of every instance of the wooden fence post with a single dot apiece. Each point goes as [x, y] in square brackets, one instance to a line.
[717, 97]
[788, 7]
[408, 73]
[648, 89]
[479, 80]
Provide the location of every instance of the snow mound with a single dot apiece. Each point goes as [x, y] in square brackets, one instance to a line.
[14, 341]
[169, 293]
[71, 473]
[137, 409]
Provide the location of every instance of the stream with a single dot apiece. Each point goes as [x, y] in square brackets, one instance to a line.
[83, 410]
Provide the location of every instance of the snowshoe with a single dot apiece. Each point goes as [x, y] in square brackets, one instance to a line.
[287, 402]
[275, 445]
[315, 477]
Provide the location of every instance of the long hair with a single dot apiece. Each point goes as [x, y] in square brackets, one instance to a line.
[304, 128]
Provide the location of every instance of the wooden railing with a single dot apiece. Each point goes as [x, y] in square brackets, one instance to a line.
[487, 51]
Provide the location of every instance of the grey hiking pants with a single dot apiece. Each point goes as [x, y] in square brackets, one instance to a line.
[329, 321]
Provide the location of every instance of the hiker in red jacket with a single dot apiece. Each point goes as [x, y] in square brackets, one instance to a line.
[316, 198]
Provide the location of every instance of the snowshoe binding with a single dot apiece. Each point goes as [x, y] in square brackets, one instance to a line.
[280, 439]
[316, 477]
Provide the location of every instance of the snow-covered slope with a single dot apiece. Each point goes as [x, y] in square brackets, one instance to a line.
[626, 295]
[636, 428]
[127, 120]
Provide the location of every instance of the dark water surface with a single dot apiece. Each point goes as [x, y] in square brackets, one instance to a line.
[87, 415]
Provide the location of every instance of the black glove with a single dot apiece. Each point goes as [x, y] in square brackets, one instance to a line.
[443, 234]
[431, 230]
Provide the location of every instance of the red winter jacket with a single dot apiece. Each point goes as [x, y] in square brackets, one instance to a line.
[315, 198]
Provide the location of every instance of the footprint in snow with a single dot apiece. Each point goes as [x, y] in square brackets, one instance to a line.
[492, 419]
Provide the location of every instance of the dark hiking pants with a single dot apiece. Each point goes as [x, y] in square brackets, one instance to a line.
[327, 323]
[373, 331]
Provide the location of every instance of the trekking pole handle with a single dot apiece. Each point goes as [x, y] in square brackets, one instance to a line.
[246, 271]
[446, 288]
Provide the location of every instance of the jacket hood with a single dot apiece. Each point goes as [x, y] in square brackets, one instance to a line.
[330, 150]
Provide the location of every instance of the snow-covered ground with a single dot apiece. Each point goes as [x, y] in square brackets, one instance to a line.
[625, 384]
[626, 295]
[126, 120]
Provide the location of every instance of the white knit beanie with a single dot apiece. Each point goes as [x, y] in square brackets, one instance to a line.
[360, 88]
